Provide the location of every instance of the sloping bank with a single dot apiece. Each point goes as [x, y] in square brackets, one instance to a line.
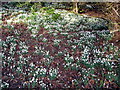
[58, 49]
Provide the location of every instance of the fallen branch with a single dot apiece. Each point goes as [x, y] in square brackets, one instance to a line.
[115, 31]
[116, 12]
[112, 60]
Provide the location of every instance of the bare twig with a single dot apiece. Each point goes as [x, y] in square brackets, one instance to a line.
[114, 31]
[116, 12]
[113, 61]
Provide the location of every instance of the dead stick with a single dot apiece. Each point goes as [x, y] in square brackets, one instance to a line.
[115, 11]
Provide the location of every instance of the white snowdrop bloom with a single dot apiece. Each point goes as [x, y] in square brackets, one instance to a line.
[1, 54]
[31, 64]
[17, 20]
[74, 46]
[43, 85]
[21, 57]
[44, 39]
[6, 84]
[26, 15]
[93, 68]
[43, 70]
[71, 57]
[34, 31]
[112, 66]
[56, 41]
[109, 76]
[24, 50]
[10, 67]
[93, 75]
[9, 21]
[21, 15]
[25, 46]
[67, 18]
[36, 47]
[73, 19]
[18, 68]
[33, 35]
[10, 58]
[37, 71]
[77, 58]
[29, 21]
[47, 26]
[36, 80]
[32, 79]
[68, 64]
[36, 27]
[29, 27]
[40, 81]
[73, 65]
[20, 11]
[86, 49]
[9, 74]
[53, 72]
[108, 63]
[47, 53]
[113, 63]
[9, 37]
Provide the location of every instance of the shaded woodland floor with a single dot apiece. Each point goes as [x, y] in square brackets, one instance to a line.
[61, 59]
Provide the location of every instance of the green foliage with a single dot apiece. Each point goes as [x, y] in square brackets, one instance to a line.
[51, 11]
[10, 4]
[55, 16]
[74, 43]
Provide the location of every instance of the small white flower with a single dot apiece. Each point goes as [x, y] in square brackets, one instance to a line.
[31, 64]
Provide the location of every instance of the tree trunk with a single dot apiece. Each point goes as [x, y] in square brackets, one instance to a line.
[75, 6]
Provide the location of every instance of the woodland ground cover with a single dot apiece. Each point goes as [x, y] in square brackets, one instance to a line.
[56, 48]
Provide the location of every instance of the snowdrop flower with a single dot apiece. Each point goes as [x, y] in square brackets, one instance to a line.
[74, 46]
[31, 64]
[33, 35]
[18, 20]
[9, 21]
[5, 84]
[43, 71]
[53, 72]
[33, 79]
